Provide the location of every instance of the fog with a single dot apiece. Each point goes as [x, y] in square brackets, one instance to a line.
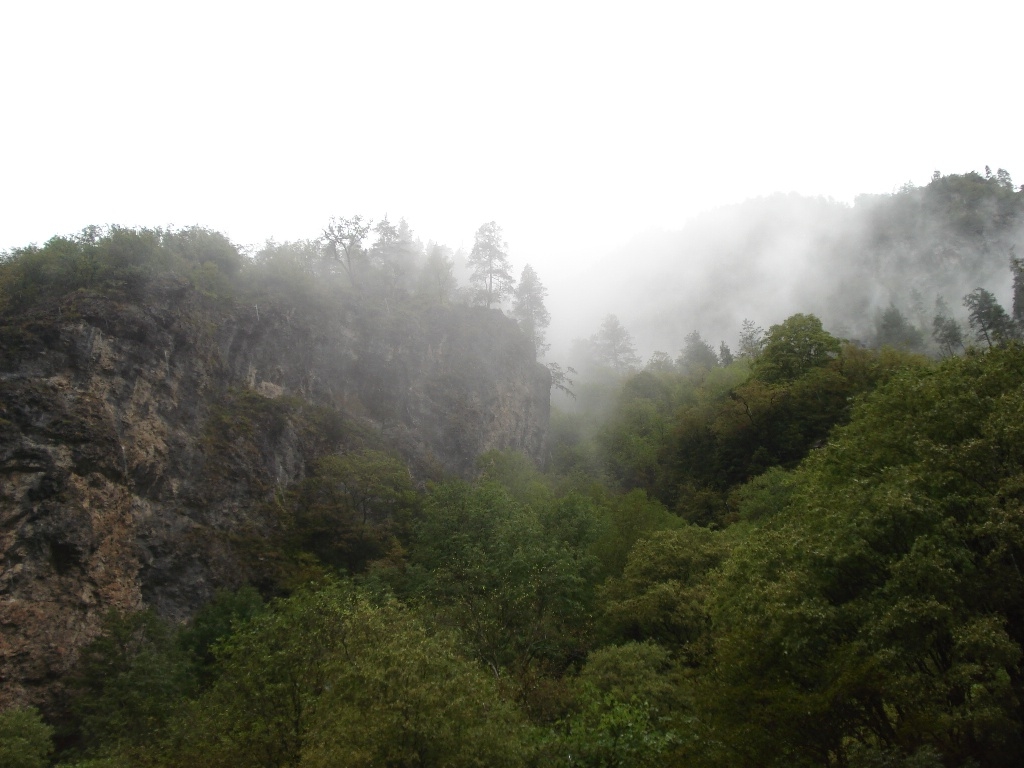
[617, 149]
[771, 257]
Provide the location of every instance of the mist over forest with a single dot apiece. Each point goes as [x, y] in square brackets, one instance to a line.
[749, 493]
[769, 257]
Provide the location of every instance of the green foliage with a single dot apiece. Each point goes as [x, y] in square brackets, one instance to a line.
[642, 671]
[607, 732]
[572, 452]
[349, 510]
[25, 740]
[128, 681]
[491, 268]
[117, 258]
[988, 319]
[697, 356]
[293, 271]
[879, 604]
[514, 471]
[663, 592]
[793, 348]
[518, 593]
[623, 520]
[622, 701]
[215, 622]
[329, 677]
[613, 346]
[689, 442]
[893, 329]
[529, 309]
[763, 496]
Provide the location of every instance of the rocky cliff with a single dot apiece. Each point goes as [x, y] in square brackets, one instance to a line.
[145, 435]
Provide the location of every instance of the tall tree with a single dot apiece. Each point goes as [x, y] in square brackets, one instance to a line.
[345, 241]
[725, 355]
[793, 347]
[1017, 268]
[437, 281]
[614, 346]
[489, 261]
[697, 355]
[394, 253]
[751, 340]
[946, 330]
[528, 308]
[893, 329]
[987, 317]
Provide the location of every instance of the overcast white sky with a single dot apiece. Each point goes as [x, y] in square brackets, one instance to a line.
[572, 124]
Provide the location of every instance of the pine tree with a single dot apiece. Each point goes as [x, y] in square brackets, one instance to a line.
[614, 346]
[528, 308]
[490, 264]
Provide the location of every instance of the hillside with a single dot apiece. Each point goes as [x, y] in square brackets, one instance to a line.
[154, 415]
[308, 507]
[770, 257]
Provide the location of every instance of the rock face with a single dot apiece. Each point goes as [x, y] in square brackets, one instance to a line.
[143, 439]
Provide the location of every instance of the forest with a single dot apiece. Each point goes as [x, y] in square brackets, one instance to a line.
[797, 550]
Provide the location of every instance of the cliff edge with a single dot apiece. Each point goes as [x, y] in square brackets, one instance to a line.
[145, 432]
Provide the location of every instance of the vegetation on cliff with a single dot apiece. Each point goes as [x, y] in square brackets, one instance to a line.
[806, 553]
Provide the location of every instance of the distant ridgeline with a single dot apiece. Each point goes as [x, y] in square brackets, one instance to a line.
[902, 257]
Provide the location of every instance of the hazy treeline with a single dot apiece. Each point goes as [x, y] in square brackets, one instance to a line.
[787, 550]
[353, 258]
[768, 258]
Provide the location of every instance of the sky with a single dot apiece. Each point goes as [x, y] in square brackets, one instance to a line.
[573, 125]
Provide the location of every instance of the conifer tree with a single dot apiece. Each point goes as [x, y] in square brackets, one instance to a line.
[528, 308]
[490, 264]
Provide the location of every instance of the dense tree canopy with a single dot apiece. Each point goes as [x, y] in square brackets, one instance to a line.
[805, 554]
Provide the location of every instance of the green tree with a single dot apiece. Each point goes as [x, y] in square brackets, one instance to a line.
[393, 254]
[987, 318]
[374, 484]
[199, 246]
[664, 592]
[697, 355]
[614, 346]
[946, 331]
[25, 740]
[528, 308]
[879, 611]
[330, 677]
[344, 238]
[625, 696]
[128, 681]
[437, 281]
[489, 262]
[499, 571]
[1017, 270]
[892, 329]
[793, 347]
[607, 732]
[751, 340]
[561, 378]
[215, 622]
[725, 355]
[351, 507]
